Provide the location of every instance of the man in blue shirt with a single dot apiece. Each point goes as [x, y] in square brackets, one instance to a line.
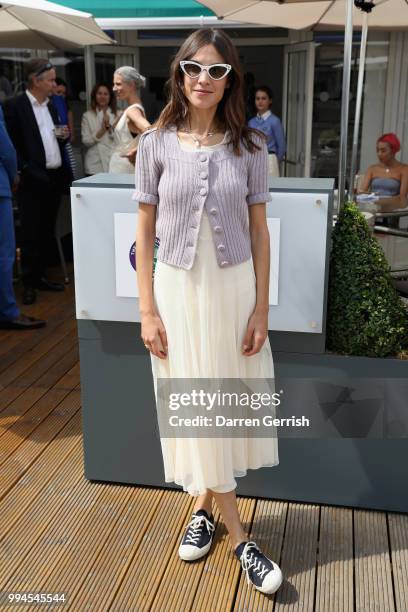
[271, 126]
[10, 316]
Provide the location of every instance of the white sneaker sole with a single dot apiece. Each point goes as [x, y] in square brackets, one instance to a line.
[188, 552]
[274, 584]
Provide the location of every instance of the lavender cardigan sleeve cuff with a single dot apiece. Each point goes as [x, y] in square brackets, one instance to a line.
[146, 198]
[258, 192]
[146, 171]
[259, 198]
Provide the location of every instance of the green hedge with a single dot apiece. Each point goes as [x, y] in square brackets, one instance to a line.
[365, 315]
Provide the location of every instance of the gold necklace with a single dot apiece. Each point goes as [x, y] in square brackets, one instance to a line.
[388, 168]
[197, 139]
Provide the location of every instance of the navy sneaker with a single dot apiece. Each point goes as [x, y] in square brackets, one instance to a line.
[264, 574]
[198, 538]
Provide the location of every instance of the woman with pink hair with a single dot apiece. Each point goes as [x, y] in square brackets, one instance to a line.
[389, 177]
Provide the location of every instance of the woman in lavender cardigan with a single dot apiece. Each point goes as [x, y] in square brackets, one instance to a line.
[201, 184]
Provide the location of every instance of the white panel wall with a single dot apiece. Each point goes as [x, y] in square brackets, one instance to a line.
[297, 265]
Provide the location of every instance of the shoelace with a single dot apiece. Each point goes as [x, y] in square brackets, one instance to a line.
[248, 560]
[194, 528]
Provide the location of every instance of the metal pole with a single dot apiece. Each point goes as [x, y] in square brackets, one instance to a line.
[345, 98]
[361, 69]
[89, 60]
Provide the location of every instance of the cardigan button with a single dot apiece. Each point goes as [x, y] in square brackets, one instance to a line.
[203, 191]
[203, 175]
[217, 229]
[221, 247]
[213, 211]
[224, 263]
[203, 158]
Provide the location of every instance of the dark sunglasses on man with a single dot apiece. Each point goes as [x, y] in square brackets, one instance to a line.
[43, 69]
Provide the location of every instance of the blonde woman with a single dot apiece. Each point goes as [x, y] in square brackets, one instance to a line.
[126, 84]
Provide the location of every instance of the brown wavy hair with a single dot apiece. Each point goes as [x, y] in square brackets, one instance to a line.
[112, 99]
[230, 113]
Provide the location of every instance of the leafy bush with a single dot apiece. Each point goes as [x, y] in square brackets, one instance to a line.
[365, 313]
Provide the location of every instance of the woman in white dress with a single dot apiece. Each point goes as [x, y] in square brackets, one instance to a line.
[126, 84]
[206, 313]
[97, 129]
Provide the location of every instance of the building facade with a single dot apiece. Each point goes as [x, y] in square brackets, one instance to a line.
[304, 70]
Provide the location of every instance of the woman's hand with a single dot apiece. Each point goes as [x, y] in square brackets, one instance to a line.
[101, 131]
[105, 125]
[131, 155]
[256, 333]
[106, 122]
[154, 335]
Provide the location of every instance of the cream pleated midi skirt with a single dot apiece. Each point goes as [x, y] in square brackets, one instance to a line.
[205, 311]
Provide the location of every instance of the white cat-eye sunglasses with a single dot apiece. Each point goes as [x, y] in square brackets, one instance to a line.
[214, 71]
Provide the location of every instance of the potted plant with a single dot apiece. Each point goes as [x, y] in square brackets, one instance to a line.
[366, 316]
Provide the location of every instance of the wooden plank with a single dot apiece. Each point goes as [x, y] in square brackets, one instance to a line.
[67, 493]
[27, 410]
[13, 343]
[73, 541]
[217, 587]
[373, 583]
[267, 531]
[298, 561]
[15, 372]
[70, 380]
[41, 474]
[37, 368]
[334, 587]
[97, 556]
[40, 438]
[398, 529]
[156, 549]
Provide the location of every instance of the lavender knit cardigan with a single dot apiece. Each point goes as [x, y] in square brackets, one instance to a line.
[183, 183]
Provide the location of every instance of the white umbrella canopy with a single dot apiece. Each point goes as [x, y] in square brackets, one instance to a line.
[37, 24]
[293, 14]
[316, 14]
[385, 15]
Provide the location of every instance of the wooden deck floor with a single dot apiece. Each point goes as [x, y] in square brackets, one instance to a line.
[114, 547]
